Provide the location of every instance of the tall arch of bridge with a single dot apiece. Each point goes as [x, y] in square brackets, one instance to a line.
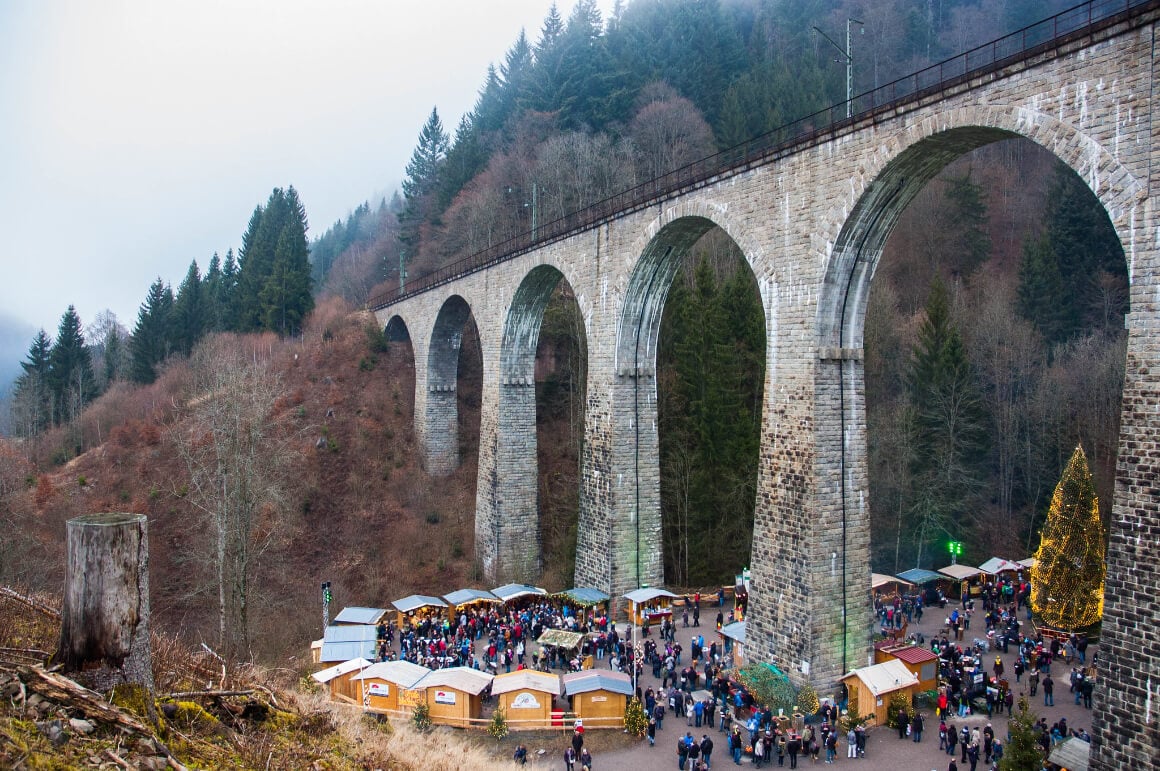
[894, 180]
[508, 539]
[439, 420]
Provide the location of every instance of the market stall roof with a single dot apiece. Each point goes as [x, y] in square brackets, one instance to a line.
[1029, 562]
[402, 673]
[702, 695]
[527, 680]
[734, 631]
[647, 594]
[463, 679]
[416, 601]
[960, 572]
[920, 576]
[348, 641]
[328, 674]
[561, 638]
[359, 616]
[999, 565]
[912, 654]
[586, 595]
[885, 677]
[512, 591]
[464, 596]
[597, 680]
[1071, 753]
[881, 579]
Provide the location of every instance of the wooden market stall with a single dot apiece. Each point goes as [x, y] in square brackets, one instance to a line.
[967, 578]
[923, 663]
[526, 697]
[415, 607]
[649, 605]
[570, 643]
[598, 697]
[339, 679]
[591, 602]
[462, 599]
[509, 593]
[733, 641]
[888, 586]
[454, 694]
[387, 685]
[871, 688]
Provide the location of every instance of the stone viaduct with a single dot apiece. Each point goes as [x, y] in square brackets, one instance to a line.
[811, 210]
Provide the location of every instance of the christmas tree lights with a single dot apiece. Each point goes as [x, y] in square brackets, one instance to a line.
[1067, 581]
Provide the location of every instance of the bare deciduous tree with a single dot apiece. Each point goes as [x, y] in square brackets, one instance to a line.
[231, 447]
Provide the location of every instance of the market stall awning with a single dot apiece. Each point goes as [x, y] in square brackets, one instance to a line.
[997, 565]
[463, 679]
[402, 673]
[1071, 753]
[886, 677]
[346, 667]
[526, 680]
[921, 576]
[360, 616]
[734, 631]
[586, 595]
[344, 642]
[464, 596]
[561, 638]
[960, 572]
[512, 591]
[1028, 563]
[597, 680]
[416, 601]
[878, 580]
[647, 594]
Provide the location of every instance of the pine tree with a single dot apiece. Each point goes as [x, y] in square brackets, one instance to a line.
[1022, 753]
[285, 298]
[422, 180]
[1067, 581]
[949, 423]
[71, 378]
[151, 342]
[33, 397]
[189, 311]
[970, 244]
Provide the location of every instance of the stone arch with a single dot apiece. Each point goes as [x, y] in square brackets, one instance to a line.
[396, 330]
[664, 243]
[507, 522]
[636, 525]
[441, 414]
[854, 233]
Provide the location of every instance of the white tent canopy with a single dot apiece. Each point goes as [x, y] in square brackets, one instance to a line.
[997, 565]
[960, 572]
[645, 595]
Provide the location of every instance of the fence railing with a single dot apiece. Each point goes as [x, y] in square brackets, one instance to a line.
[1034, 40]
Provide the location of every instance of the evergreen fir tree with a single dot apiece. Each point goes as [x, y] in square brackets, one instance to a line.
[151, 343]
[1022, 752]
[71, 368]
[1067, 581]
[422, 180]
[33, 396]
[970, 244]
[286, 299]
[114, 356]
[188, 321]
[949, 423]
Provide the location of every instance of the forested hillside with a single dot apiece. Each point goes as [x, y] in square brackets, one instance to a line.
[1002, 286]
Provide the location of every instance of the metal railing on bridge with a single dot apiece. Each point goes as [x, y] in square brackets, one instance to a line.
[1034, 40]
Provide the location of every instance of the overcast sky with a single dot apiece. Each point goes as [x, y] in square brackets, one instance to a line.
[138, 135]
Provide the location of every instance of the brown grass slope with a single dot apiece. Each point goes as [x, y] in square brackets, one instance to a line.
[358, 510]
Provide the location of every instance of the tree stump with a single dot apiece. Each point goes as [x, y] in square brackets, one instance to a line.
[104, 634]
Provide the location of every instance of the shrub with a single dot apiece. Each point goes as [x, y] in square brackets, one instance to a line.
[498, 727]
[421, 717]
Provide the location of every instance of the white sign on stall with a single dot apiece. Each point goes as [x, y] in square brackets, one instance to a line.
[525, 700]
[444, 697]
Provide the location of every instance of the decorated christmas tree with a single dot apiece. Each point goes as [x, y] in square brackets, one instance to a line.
[1067, 581]
[1022, 752]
